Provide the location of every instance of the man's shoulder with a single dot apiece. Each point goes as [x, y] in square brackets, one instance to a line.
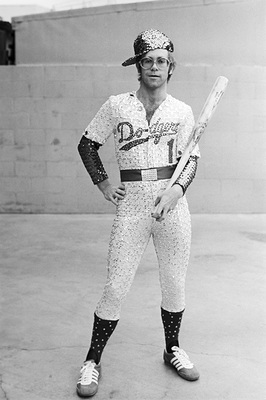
[178, 103]
[120, 97]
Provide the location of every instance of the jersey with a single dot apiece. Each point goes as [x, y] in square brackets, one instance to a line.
[139, 145]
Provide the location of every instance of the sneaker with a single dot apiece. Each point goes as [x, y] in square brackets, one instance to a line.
[180, 361]
[87, 385]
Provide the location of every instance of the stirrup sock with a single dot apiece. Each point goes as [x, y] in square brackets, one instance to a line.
[171, 323]
[102, 330]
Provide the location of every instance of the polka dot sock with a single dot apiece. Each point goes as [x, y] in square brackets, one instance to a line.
[171, 323]
[102, 330]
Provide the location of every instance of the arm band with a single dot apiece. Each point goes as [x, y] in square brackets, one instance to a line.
[188, 173]
[88, 151]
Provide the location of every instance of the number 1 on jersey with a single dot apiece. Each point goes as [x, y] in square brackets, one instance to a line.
[170, 150]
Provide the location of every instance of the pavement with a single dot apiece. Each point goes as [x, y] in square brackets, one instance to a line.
[52, 273]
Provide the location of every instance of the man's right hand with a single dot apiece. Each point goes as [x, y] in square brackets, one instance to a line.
[112, 193]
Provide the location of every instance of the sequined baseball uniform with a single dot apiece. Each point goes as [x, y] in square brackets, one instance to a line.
[139, 145]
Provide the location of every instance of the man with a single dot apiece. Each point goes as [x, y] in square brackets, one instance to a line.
[151, 130]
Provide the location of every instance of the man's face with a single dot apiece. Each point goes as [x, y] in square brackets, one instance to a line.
[155, 76]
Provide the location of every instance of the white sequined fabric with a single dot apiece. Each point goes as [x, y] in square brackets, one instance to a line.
[141, 145]
[138, 144]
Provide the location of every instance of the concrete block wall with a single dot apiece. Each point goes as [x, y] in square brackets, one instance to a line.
[43, 113]
[70, 62]
[44, 110]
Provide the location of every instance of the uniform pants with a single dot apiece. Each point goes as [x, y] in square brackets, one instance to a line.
[132, 229]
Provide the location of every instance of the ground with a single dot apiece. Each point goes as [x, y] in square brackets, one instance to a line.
[52, 273]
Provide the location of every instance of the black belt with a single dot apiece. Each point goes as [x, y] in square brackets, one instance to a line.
[150, 174]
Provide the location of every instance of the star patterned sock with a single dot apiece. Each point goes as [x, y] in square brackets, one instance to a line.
[171, 323]
[102, 330]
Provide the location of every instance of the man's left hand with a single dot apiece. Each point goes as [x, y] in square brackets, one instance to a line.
[166, 202]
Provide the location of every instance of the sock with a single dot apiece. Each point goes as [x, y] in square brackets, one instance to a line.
[102, 330]
[171, 323]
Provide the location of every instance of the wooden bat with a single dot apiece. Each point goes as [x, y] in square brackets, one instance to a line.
[206, 113]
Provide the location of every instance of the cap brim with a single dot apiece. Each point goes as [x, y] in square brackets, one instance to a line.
[129, 61]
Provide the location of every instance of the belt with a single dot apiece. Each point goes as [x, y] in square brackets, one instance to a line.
[150, 174]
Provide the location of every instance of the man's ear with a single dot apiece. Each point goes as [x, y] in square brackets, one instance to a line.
[171, 70]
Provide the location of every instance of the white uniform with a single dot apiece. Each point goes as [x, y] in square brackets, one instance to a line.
[139, 145]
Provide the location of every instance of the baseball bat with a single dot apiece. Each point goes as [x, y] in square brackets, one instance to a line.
[206, 113]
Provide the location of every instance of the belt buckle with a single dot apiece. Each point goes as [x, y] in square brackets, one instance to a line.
[149, 174]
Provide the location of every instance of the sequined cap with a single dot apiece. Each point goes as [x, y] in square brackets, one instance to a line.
[148, 40]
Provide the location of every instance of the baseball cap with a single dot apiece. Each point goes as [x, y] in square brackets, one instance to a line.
[148, 40]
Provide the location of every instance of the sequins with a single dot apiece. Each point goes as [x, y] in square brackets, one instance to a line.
[148, 40]
[132, 229]
[133, 225]
[139, 145]
[188, 173]
[134, 143]
[152, 39]
[88, 151]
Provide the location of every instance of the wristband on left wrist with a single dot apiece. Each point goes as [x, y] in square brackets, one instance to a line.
[188, 173]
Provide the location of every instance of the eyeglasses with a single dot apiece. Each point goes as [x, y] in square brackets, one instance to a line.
[147, 63]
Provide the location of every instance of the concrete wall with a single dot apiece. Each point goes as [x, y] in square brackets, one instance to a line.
[44, 109]
[212, 32]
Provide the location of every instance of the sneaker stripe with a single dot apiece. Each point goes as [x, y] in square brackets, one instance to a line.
[181, 361]
[87, 384]
[88, 374]
[177, 364]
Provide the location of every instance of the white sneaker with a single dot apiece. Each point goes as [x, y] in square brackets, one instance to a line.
[179, 360]
[87, 384]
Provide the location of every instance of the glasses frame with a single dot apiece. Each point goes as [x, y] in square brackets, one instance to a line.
[155, 62]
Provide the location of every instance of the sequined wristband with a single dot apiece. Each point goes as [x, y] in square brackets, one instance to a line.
[88, 150]
[188, 173]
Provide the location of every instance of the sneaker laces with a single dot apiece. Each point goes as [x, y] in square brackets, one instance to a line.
[88, 374]
[182, 358]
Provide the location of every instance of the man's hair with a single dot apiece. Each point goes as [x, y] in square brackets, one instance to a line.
[172, 66]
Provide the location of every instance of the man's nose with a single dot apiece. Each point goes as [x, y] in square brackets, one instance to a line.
[154, 66]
